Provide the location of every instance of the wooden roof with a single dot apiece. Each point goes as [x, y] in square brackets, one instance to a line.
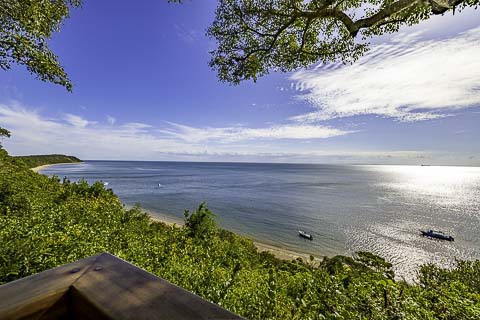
[102, 287]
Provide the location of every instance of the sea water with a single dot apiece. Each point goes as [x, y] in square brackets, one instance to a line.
[346, 208]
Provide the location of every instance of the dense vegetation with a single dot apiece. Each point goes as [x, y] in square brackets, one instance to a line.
[40, 160]
[45, 222]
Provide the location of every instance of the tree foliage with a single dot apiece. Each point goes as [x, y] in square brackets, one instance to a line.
[200, 223]
[256, 36]
[253, 36]
[4, 133]
[45, 223]
[25, 28]
[40, 160]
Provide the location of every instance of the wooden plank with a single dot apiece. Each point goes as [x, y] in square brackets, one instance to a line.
[59, 311]
[102, 287]
[30, 297]
[120, 290]
[82, 308]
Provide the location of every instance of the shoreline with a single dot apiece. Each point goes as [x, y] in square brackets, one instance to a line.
[44, 166]
[278, 252]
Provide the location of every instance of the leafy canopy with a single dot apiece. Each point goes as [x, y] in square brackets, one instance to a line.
[25, 28]
[4, 133]
[256, 36]
[253, 36]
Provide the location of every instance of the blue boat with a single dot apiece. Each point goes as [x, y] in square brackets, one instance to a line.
[436, 234]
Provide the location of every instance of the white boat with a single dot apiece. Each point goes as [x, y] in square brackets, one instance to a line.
[305, 235]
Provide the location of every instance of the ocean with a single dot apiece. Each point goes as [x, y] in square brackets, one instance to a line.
[346, 208]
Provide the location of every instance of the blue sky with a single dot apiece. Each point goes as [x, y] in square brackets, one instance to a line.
[143, 91]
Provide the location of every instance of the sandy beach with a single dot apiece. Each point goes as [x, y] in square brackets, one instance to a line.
[37, 169]
[278, 252]
[283, 253]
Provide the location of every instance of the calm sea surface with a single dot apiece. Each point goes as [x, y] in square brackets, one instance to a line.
[345, 208]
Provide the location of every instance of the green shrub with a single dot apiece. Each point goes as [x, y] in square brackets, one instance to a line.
[45, 223]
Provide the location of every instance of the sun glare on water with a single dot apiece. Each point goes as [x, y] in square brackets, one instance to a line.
[422, 197]
[441, 184]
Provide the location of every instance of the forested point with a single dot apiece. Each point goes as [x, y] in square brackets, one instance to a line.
[41, 160]
[46, 222]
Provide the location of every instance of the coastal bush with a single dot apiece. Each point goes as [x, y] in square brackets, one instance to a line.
[45, 222]
[200, 223]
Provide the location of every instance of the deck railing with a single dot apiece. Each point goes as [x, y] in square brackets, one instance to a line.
[102, 287]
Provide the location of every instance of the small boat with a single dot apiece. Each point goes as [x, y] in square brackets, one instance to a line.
[436, 234]
[305, 235]
[160, 185]
[105, 184]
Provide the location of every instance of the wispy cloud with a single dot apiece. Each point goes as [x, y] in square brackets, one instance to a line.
[232, 134]
[77, 121]
[111, 120]
[190, 36]
[34, 133]
[408, 79]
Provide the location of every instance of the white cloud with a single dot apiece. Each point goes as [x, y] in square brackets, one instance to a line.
[407, 79]
[33, 133]
[72, 134]
[232, 134]
[76, 121]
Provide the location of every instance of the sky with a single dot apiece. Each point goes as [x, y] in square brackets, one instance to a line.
[143, 90]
